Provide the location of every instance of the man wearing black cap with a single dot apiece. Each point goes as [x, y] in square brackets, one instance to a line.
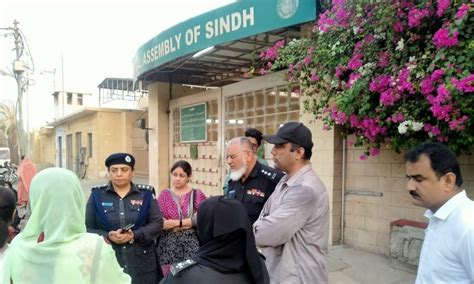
[293, 227]
[127, 215]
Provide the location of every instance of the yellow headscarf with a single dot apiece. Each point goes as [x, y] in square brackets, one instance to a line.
[67, 254]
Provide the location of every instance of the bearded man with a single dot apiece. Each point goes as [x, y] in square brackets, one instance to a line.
[251, 182]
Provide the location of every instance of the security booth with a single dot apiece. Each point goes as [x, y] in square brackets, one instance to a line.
[200, 91]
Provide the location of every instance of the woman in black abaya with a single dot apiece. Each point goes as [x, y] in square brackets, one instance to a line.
[228, 253]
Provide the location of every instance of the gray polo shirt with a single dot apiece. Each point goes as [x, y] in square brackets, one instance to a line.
[293, 229]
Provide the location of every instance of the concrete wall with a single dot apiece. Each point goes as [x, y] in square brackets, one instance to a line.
[116, 132]
[367, 218]
[158, 120]
[327, 163]
[43, 151]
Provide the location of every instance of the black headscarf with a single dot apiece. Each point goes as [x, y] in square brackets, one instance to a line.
[227, 240]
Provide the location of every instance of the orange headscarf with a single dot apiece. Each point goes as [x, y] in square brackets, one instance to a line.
[26, 172]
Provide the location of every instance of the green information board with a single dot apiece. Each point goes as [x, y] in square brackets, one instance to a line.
[193, 123]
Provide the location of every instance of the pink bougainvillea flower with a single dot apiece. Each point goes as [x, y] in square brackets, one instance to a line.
[437, 74]
[314, 78]
[404, 81]
[271, 53]
[398, 27]
[380, 83]
[339, 117]
[399, 117]
[441, 112]
[374, 151]
[356, 61]
[415, 17]
[465, 85]
[457, 124]
[280, 44]
[354, 121]
[442, 38]
[389, 97]
[462, 11]
[432, 129]
[442, 6]
[427, 84]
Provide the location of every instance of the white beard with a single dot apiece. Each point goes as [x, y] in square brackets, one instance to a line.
[237, 174]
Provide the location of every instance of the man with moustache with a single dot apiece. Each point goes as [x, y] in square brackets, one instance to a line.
[434, 182]
[251, 182]
[293, 227]
[255, 137]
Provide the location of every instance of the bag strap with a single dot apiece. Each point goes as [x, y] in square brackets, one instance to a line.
[176, 201]
[191, 203]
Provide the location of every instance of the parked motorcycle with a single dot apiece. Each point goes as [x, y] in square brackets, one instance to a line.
[8, 173]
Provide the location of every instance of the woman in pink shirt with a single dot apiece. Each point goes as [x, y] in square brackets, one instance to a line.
[26, 172]
[179, 205]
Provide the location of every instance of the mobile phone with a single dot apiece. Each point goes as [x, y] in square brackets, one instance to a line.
[127, 227]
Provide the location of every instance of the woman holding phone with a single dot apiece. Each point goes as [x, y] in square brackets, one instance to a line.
[127, 215]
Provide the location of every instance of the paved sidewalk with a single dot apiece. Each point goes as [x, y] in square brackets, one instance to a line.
[346, 265]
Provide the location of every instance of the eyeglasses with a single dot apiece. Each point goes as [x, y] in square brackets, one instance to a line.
[233, 156]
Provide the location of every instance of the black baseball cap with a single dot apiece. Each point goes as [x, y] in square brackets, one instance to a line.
[292, 132]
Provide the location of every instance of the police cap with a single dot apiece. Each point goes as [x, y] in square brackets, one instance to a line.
[120, 158]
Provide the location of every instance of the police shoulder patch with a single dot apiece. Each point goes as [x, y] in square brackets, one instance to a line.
[270, 173]
[146, 187]
[181, 266]
[99, 187]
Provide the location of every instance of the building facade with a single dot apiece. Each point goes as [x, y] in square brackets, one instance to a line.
[366, 196]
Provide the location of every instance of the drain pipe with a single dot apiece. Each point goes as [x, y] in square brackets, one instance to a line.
[343, 188]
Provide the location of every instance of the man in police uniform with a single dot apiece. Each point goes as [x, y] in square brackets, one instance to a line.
[127, 215]
[251, 182]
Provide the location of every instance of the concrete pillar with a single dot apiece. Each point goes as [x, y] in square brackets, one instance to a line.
[327, 162]
[158, 121]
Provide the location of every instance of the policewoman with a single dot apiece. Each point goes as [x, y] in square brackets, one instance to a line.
[126, 214]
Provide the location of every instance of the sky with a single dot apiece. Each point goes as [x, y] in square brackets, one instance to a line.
[95, 38]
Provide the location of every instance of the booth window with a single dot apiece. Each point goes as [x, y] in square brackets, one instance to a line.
[265, 110]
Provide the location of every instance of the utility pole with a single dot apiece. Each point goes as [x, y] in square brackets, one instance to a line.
[18, 69]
